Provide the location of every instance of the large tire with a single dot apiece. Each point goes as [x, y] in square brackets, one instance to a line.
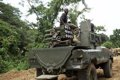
[38, 72]
[88, 74]
[107, 69]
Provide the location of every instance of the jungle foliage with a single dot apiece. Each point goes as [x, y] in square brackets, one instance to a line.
[13, 41]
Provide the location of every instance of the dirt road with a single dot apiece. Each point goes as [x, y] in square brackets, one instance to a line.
[30, 74]
[116, 70]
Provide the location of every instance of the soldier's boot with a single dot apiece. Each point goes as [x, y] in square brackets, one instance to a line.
[75, 39]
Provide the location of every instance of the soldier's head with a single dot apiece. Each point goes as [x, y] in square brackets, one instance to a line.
[66, 10]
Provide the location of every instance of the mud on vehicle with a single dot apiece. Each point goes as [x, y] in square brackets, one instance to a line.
[76, 60]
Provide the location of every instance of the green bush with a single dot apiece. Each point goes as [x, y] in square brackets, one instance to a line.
[23, 64]
[11, 48]
[108, 44]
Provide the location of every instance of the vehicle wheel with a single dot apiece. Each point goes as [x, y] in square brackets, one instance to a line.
[88, 74]
[107, 69]
[38, 72]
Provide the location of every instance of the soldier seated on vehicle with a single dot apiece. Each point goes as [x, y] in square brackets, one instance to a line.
[92, 27]
[73, 28]
[63, 18]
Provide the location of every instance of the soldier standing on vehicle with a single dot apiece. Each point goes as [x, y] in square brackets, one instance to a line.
[70, 28]
[64, 26]
[63, 18]
[92, 27]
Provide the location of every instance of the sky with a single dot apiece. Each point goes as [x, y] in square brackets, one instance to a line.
[103, 12]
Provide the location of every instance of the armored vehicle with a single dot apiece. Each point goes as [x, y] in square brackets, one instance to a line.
[78, 60]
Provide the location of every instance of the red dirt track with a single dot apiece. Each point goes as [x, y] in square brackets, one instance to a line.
[30, 74]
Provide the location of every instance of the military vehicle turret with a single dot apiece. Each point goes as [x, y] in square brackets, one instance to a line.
[78, 60]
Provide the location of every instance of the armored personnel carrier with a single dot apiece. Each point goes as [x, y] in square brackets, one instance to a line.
[78, 60]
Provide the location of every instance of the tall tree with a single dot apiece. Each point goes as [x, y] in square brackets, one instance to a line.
[115, 38]
[11, 15]
[48, 13]
[100, 28]
[13, 38]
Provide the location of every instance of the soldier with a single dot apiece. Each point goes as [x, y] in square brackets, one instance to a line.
[70, 28]
[92, 27]
[64, 26]
[73, 28]
[63, 18]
